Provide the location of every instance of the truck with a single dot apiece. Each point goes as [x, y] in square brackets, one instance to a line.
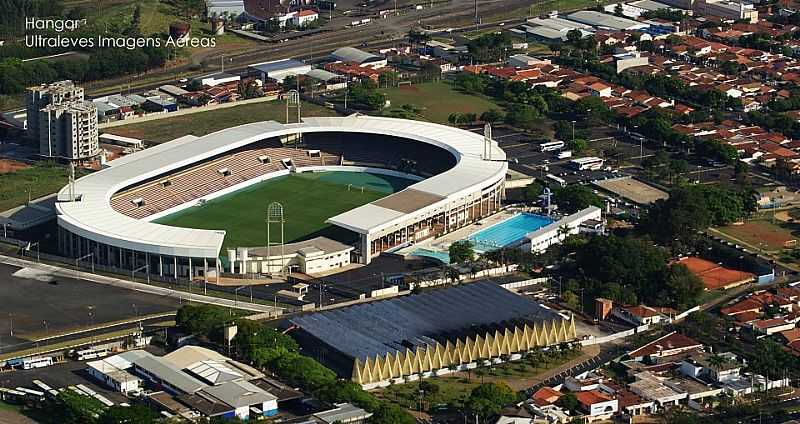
[564, 155]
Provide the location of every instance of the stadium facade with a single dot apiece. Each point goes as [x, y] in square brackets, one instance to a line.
[430, 333]
[108, 215]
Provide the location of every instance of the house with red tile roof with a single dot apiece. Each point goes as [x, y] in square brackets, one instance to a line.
[597, 405]
[668, 345]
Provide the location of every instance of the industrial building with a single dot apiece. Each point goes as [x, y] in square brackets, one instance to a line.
[279, 69]
[605, 21]
[230, 8]
[358, 57]
[429, 334]
[192, 381]
[64, 124]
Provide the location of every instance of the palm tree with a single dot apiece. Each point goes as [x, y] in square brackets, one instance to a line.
[716, 362]
[563, 231]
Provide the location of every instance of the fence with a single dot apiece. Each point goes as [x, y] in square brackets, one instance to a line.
[615, 336]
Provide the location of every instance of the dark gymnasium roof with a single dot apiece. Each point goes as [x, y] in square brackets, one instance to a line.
[385, 326]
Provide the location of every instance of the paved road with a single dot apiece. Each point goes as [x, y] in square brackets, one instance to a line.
[140, 287]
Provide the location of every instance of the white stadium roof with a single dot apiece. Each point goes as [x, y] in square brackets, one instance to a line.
[93, 217]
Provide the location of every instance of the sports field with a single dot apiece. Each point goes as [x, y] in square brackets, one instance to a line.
[308, 199]
[763, 234]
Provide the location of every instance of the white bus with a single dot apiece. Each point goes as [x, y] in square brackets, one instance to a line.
[551, 146]
[91, 353]
[558, 180]
[30, 363]
[587, 163]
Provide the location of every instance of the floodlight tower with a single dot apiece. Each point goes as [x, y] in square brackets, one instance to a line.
[293, 101]
[487, 141]
[275, 216]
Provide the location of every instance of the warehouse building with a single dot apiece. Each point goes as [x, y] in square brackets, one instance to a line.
[429, 334]
[192, 379]
[359, 57]
[279, 69]
[605, 21]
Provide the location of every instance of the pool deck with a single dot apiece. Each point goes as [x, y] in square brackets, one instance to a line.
[442, 244]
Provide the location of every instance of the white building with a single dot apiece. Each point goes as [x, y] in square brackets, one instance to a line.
[541, 239]
[304, 17]
[231, 8]
[605, 21]
[597, 405]
[727, 9]
[624, 61]
[279, 69]
[217, 79]
[314, 256]
[359, 57]
[113, 371]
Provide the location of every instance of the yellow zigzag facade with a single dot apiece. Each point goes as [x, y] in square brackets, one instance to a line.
[435, 357]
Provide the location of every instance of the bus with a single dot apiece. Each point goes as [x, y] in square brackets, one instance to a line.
[551, 146]
[30, 363]
[558, 180]
[587, 163]
[91, 353]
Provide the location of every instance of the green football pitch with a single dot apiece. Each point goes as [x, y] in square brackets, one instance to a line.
[308, 199]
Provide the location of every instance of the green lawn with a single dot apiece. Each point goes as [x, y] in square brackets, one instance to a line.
[41, 179]
[308, 200]
[438, 100]
[202, 123]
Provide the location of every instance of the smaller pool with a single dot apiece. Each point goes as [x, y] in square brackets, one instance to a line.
[443, 257]
[507, 232]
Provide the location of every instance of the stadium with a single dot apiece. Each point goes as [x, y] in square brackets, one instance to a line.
[270, 197]
[430, 333]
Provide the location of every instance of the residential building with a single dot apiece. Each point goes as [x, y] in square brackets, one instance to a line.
[69, 130]
[597, 405]
[64, 124]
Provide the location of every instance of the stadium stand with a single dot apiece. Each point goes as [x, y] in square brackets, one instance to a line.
[174, 189]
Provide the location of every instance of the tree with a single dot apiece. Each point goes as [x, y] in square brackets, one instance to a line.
[461, 251]
[194, 85]
[470, 83]
[771, 360]
[390, 414]
[573, 198]
[569, 402]
[682, 288]
[533, 191]
[574, 36]
[570, 299]
[618, 9]
[523, 116]
[137, 19]
[488, 399]
[73, 408]
[135, 414]
[578, 145]
[491, 116]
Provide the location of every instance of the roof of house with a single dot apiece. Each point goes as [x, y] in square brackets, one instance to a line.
[672, 341]
[591, 397]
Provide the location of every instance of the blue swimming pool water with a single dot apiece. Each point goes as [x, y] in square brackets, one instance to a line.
[507, 232]
[444, 257]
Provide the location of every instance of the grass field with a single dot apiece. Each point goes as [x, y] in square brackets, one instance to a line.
[41, 179]
[763, 233]
[203, 123]
[308, 200]
[438, 100]
[452, 390]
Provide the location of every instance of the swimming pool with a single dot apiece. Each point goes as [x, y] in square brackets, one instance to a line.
[507, 232]
[443, 257]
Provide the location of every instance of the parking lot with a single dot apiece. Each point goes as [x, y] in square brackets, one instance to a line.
[36, 305]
